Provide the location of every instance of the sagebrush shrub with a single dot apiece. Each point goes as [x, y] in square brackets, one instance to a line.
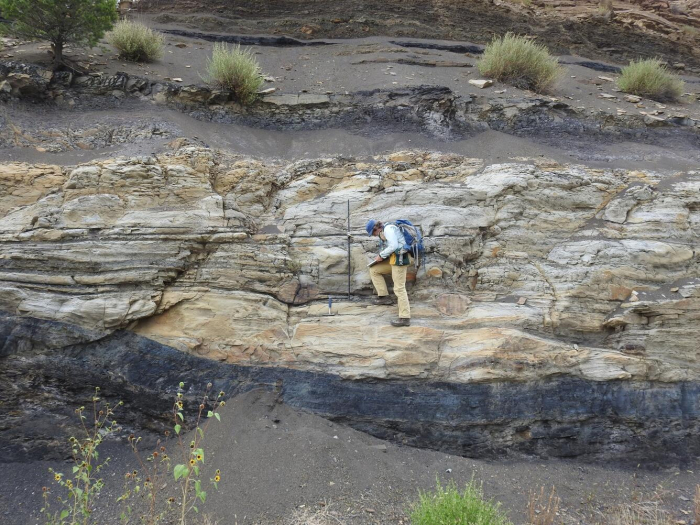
[650, 78]
[447, 505]
[235, 69]
[136, 42]
[517, 61]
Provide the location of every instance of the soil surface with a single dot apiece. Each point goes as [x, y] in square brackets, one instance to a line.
[365, 64]
[345, 66]
[88, 140]
[632, 29]
[277, 462]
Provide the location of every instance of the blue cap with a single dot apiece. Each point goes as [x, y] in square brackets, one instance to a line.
[370, 226]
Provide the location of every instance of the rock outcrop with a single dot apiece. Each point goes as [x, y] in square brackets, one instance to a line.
[537, 274]
[431, 110]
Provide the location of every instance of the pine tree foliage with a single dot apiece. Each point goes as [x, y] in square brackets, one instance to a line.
[78, 22]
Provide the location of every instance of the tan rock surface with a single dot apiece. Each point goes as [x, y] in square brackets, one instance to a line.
[531, 268]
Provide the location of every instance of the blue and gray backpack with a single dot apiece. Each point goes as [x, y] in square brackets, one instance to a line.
[413, 239]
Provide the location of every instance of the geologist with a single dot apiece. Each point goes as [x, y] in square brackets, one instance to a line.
[392, 259]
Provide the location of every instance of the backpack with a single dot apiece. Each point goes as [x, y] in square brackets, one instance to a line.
[413, 239]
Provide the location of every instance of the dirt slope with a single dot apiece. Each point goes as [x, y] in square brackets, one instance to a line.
[642, 28]
[277, 461]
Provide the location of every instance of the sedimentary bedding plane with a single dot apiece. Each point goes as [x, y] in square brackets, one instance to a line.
[556, 312]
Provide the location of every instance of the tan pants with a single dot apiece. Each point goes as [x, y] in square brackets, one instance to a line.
[398, 275]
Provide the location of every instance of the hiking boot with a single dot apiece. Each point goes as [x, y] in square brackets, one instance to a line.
[401, 321]
[384, 299]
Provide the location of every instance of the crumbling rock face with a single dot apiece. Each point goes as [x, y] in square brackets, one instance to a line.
[536, 274]
[432, 110]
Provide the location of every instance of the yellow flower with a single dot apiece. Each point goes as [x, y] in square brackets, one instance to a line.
[218, 471]
[57, 476]
[192, 462]
[223, 404]
[199, 457]
[217, 478]
[180, 404]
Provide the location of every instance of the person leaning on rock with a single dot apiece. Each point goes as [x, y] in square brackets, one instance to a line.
[392, 261]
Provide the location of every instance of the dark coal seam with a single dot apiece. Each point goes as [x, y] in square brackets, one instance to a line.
[274, 41]
[453, 48]
[595, 66]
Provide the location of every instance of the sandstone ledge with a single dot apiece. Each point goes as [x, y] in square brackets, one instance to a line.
[231, 259]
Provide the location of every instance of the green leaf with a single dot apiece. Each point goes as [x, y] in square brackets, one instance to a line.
[179, 471]
[177, 429]
[203, 496]
[195, 509]
[64, 514]
[201, 432]
[210, 413]
[196, 470]
[75, 469]
[198, 487]
[179, 414]
[218, 416]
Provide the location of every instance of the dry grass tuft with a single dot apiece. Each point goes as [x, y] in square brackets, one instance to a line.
[650, 78]
[643, 513]
[605, 6]
[542, 510]
[307, 516]
[235, 69]
[696, 506]
[521, 63]
[136, 42]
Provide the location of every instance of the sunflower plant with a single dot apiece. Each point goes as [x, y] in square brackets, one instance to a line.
[188, 472]
[149, 481]
[75, 493]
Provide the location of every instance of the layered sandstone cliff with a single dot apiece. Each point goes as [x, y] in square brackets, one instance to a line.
[536, 274]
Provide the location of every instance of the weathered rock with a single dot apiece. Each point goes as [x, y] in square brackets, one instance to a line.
[224, 257]
[481, 83]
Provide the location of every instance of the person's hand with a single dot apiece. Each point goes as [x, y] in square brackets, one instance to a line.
[378, 258]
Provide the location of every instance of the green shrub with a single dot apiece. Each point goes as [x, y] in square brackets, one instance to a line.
[650, 78]
[78, 22]
[446, 505]
[136, 42]
[520, 62]
[236, 70]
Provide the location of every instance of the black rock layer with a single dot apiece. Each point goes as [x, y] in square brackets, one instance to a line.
[47, 369]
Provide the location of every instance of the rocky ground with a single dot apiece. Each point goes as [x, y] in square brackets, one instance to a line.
[628, 30]
[151, 228]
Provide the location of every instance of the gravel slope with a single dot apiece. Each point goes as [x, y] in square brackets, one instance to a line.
[277, 461]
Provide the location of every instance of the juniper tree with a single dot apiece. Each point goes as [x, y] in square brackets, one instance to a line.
[81, 22]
